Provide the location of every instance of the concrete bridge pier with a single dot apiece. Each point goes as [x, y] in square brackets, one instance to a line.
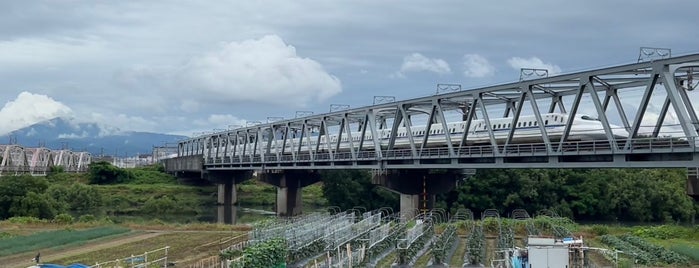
[289, 184]
[417, 187]
[227, 196]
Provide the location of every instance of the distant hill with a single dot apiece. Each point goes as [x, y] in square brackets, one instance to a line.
[60, 133]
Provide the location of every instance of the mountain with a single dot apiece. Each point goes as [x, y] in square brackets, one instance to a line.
[60, 133]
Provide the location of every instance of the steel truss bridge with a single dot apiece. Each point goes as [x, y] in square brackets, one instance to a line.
[622, 98]
[17, 160]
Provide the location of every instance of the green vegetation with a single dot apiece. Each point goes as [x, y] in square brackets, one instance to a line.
[270, 253]
[620, 195]
[585, 194]
[42, 240]
[349, 188]
[687, 250]
[144, 199]
[63, 197]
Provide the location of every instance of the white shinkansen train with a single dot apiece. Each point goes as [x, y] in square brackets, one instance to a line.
[584, 128]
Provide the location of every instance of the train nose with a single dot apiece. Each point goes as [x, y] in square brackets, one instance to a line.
[620, 133]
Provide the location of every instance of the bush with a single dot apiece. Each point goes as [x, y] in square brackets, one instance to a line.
[25, 220]
[600, 230]
[163, 204]
[103, 172]
[87, 218]
[63, 218]
[663, 232]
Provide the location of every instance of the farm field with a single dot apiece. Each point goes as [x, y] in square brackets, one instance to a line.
[185, 242]
[375, 238]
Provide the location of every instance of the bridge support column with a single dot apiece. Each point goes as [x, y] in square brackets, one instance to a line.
[417, 187]
[227, 195]
[289, 184]
[693, 183]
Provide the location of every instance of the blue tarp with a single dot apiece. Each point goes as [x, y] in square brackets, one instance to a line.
[74, 265]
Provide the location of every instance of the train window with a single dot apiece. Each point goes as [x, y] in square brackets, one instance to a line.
[508, 125]
[536, 123]
[546, 122]
[493, 126]
[530, 123]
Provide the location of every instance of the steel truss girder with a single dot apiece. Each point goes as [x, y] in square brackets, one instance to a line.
[15, 159]
[385, 119]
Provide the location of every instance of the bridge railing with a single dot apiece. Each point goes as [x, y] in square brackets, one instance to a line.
[639, 145]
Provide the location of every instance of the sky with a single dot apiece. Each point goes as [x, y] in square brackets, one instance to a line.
[184, 67]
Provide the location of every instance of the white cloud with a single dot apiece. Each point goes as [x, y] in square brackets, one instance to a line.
[117, 124]
[416, 62]
[28, 109]
[477, 66]
[533, 63]
[220, 121]
[73, 135]
[214, 122]
[31, 132]
[189, 106]
[30, 52]
[262, 70]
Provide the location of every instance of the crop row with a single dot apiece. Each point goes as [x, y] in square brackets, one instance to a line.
[640, 256]
[475, 254]
[405, 255]
[54, 238]
[388, 243]
[660, 253]
[440, 247]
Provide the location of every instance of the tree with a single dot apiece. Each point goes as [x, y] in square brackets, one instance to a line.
[83, 197]
[349, 188]
[35, 205]
[15, 188]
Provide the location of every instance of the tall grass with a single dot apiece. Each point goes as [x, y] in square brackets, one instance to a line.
[50, 239]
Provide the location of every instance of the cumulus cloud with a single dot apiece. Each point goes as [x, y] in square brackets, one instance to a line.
[533, 63]
[417, 62]
[477, 66]
[262, 70]
[28, 109]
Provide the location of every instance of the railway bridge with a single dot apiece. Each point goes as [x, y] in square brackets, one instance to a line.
[17, 160]
[637, 115]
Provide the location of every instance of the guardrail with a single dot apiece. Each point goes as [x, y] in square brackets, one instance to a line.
[641, 145]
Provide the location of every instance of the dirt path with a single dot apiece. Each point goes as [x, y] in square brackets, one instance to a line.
[25, 259]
